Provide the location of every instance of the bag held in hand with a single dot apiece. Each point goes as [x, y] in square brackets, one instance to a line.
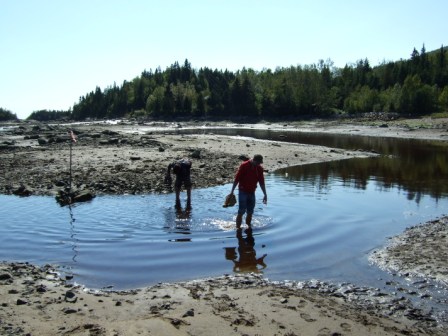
[229, 201]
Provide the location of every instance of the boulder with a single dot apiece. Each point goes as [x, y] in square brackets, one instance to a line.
[5, 276]
[83, 196]
[42, 141]
[65, 197]
[196, 154]
[23, 190]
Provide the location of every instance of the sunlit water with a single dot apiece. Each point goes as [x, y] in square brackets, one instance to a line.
[306, 231]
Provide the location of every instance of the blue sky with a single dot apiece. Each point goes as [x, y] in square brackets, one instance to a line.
[54, 51]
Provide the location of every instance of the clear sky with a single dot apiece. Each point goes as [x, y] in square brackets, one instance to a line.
[54, 51]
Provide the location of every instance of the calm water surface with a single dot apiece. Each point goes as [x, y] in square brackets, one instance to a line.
[128, 241]
[321, 222]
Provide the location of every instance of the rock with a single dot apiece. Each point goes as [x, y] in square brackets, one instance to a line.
[59, 183]
[69, 311]
[60, 139]
[70, 297]
[21, 301]
[41, 289]
[23, 191]
[189, 313]
[42, 141]
[84, 196]
[5, 276]
[109, 132]
[66, 197]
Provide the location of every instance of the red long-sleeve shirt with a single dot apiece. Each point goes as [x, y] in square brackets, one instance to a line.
[248, 175]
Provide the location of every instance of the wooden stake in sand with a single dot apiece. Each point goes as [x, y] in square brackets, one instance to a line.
[73, 140]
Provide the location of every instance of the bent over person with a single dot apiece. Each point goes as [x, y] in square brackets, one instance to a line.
[181, 169]
[249, 174]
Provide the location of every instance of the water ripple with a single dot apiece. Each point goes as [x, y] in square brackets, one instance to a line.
[128, 241]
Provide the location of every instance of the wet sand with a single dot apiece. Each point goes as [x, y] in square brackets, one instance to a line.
[35, 301]
[420, 251]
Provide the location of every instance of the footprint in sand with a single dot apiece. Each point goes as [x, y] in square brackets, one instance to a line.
[346, 327]
[307, 317]
[302, 304]
[324, 332]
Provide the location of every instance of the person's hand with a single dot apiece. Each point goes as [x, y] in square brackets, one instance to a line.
[265, 199]
[168, 180]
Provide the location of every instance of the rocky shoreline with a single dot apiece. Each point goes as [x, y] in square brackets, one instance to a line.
[428, 261]
[126, 159]
[104, 161]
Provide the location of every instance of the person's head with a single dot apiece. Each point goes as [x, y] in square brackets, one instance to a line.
[258, 159]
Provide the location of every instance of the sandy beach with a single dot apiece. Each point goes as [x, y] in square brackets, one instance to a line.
[124, 159]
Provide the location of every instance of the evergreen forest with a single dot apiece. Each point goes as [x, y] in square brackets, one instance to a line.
[6, 115]
[412, 87]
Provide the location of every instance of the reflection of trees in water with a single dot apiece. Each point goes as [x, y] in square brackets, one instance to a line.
[245, 260]
[417, 166]
[418, 175]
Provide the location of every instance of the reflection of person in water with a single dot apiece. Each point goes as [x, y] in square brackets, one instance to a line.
[248, 261]
[178, 220]
[183, 214]
[183, 220]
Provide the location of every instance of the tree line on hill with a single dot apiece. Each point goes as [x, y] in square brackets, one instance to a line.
[411, 87]
[6, 115]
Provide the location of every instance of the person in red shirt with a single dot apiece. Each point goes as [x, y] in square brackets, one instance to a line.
[249, 174]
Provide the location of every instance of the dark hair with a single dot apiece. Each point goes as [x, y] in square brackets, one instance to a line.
[258, 158]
